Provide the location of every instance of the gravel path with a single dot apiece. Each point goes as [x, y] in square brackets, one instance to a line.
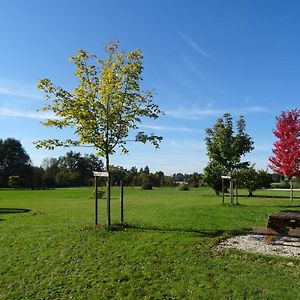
[281, 246]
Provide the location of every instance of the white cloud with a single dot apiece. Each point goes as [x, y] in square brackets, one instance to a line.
[15, 113]
[187, 145]
[198, 113]
[192, 67]
[168, 128]
[19, 89]
[193, 44]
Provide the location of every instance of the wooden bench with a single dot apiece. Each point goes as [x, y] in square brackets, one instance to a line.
[281, 223]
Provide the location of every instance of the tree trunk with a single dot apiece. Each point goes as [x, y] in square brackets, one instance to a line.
[108, 192]
[291, 189]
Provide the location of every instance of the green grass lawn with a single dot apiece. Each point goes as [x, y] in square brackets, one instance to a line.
[166, 251]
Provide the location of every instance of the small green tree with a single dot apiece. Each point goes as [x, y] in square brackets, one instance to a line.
[248, 178]
[253, 180]
[225, 148]
[106, 106]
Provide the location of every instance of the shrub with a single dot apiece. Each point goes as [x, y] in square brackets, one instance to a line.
[195, 184]
[14, 181]
[285, 184]
[280, 185]
[100, 194]
[183, 187]
[264, 179]
[296, 184]
[147, 186]
[248, 178]
[66, 179]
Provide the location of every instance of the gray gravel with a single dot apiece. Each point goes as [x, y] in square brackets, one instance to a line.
[281, 246]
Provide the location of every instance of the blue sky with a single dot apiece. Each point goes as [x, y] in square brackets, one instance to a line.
[203, 58]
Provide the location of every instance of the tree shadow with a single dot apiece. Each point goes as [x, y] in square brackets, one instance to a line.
[7, 210]
[289, 206]
[202, 233]
[268, 196]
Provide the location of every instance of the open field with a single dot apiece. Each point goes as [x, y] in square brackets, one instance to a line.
[167, 250]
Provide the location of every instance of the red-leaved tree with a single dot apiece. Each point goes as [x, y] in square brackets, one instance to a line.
[286, 149]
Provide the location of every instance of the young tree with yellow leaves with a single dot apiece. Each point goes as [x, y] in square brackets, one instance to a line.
[106, 106]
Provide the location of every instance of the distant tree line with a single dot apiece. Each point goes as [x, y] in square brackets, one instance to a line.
[17, 170]
[72, 169]
[145, 178]
[75, 169]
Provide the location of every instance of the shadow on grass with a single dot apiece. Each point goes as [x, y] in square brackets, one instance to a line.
[268, 196]
[4, 211]
[243, 205]
[289, 206]
[202, 233]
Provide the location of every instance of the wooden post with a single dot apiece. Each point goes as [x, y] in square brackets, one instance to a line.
[236, 192]
[101, 174]
[231, 191]
[291, 189]
[222, 190]
[122, 202]
[96, 201]
[226, 177]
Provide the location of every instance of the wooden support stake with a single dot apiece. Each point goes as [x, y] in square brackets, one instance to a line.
[236, 192]
[122, 201]
[231, 191]
[108, 220]
[222, 190]
[96, 201]
[291, 189]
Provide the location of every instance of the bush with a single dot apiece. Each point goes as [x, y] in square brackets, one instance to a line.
[147, 186]
[183, 187]
[100, 194]
[280, 185]
[285, 184]
[296, 184]
[248, 178]
[195, 184]
[14, 181]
